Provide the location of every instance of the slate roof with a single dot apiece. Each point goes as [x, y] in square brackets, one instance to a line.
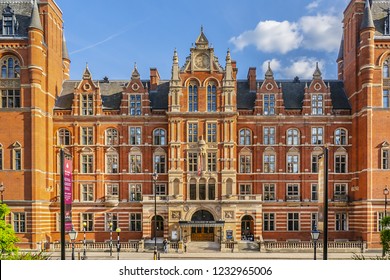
[22, 11]
[379, 13]
[293, 93]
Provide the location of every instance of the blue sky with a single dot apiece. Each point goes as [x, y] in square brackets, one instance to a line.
[111, 36]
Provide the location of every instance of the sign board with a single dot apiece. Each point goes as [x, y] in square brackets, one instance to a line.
[321, 187]
[68, 186]
[229, 234]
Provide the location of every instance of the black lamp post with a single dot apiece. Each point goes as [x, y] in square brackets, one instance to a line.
[2, 189]
[155, 175]
[110, 239]
[72, 236]
[84, 242]
[315, 234]
[118, 244]
[386, 193]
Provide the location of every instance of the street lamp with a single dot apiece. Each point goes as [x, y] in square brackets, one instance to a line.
[118, 245]
[2, 189]
[84, 242]
[386, 193]
[72, 236]
[155, 176]
[110, 239]
[315, 234]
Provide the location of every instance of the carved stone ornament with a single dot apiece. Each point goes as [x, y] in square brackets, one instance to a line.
[176, 215]
[229, 214]
[202, 61]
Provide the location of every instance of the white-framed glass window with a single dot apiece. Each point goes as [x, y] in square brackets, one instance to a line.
[159, 163]
[88, 219]
[269, 192]
[135, 135]
[64, 137]
[269, 104]
[135, 222]
[211, 97]
[341, 221]
[192, 98]
[87, 136]
[245, 136]
[135, 192]
[269, 162]
[340, 136]
[112, 191]
[161, 189]
[113, 219]
[135, 105]
[16, 157]
[385, 69]
[87, 163]
[315, 157]
[87, 192]
[211, 132]
[86, 104]
[212, 162]
[314, 221]
[293, 221]
[269, 135]
[192, 131]
[317, 104]
[159, 137]
[380, 216]
[385, 99]
[292, 137]
[269, 221]
[245, 189]
[340, 163]
[317, 135]
[292, 163]
[192, 161]
[10, 98]
[385, 156]
[10, 68]
[245, 163]
[112, 137]
[19, 221]
[135, 162]
[340, 191]
[112, 162]
[293, 192]
[314, 192]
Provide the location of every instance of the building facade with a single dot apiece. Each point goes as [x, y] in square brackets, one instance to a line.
[235, 159]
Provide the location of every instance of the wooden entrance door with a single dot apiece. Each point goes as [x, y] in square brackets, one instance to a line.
[159, 226]
[202, 234]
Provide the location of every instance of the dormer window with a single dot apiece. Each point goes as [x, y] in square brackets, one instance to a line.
[10, 24]
[317, 104]
[86, 104]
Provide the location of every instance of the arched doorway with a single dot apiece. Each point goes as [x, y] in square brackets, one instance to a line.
[159, 227]
[203, 232]
[247, 228]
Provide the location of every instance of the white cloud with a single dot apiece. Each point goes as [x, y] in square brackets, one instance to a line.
[303, 67]
[321, 32]
[270, 36]
[313, 5]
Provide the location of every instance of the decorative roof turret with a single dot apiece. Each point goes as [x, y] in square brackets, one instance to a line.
[65, 53]
[201, 41]
[367, 21]
[269, 74]
[317, 73]
[175, 67]
[135, 74]
[87, 74]
[341, 50]
[35, 19]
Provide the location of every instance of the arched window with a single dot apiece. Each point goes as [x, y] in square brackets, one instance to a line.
[112, 137]
[293, 137]
[10, 67]
[386, 69]
[211, 98]
[159, 137]
[64, 137]
[340, 136]
[245, 136]
[10, 90]
[192, 98]
[385, 83]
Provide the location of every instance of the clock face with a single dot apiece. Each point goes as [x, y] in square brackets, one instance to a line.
[202, 61]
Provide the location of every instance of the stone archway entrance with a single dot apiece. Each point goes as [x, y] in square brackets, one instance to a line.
[203, 232]
[159, 226]
[247, 228]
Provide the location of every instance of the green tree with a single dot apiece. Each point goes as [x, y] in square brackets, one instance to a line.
[7, 234]
[385, 235]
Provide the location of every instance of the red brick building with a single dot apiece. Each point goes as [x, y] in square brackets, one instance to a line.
[235, 158]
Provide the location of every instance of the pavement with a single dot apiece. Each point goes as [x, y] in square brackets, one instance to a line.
[217, 255]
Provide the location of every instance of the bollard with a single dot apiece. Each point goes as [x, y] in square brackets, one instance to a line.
[78, 256]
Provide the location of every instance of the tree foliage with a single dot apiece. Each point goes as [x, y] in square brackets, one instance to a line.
[385, 234]
[7, 234]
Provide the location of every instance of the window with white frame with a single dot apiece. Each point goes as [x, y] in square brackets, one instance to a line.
[269, 135]
[211, 97]
[135, 191]
[314, 221]
[292, 163]
[341, 222]
[245, 136]
[135, 135]
[112, 191]
[385, 98]
[211, 132]
[269, 162]
[340, 192]
[269, 104]
[340, 163]
[87, 163]
[315, 157]
[245, 163]
[192, 131]
[245, 189]
[111, 220]
[112, 162]
[161, 189]
[314, 192]
[19, 221]
[87, 218]
[16, 156]
[87, 136]
[135, 106]
[159, 163]
[192, 161]
[269, 192]
[340, 136]
[317, 104]
[317, 135]
[385, 154]
[192, 98]
[159, 137]
[10, 98]
[10, 25]
[86, 104]
[112, 137]
[10, 68]
[380, 216]
[292, 137]
[135, 162]
[293, 192]
[64, 137]
[269, 221]
[87, 192]
[293, 221]
[212, 162]
[135, 222]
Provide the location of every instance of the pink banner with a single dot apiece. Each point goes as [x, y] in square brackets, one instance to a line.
[68, 186]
